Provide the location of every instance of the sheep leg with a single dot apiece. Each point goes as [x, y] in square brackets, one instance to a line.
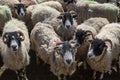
[85, 65]
[2, 69]
[119, 63]
[94, 75]
[22, 74]
[101, 76]
[64, 78]
[59, 78]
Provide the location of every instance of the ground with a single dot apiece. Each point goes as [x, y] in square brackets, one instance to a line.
[41, 72]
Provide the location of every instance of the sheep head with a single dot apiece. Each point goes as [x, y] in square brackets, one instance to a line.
[83, 36]
[98, 48]
[20, 9]
[67, 50]
[67, 19]
[13, 39]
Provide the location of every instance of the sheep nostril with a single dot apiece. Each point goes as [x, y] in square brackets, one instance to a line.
[68, 61]
[14, 48]
[90, 55]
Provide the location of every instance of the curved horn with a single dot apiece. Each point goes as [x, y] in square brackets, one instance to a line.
[89, 33]
[22, 37]
[4, 37]
[108, 40]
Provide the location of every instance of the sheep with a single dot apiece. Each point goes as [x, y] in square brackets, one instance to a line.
[54, 4]
[5, 15]
[86, 9]
[63, 59]
[64, 25]
[41, 13]
[16, 41]
[104, 49]
[47, 44]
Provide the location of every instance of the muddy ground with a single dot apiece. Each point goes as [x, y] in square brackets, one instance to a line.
[41, 72]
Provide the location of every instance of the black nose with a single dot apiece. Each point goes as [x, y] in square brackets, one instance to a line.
[68, 61]
[14, 48]
[90, 55]
[67, 26]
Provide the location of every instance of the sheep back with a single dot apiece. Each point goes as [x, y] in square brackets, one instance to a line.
[41, 13]
[54, 4]
[96, 22]
[41, 37]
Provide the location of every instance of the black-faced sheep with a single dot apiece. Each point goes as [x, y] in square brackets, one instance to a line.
[104, 48]
[86, 9]
[16, 41]
[64, 25]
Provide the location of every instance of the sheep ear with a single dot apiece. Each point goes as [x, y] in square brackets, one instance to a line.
[21, 36]
[5, 37]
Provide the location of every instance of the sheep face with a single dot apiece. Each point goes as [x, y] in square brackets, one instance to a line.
[13, 40]
[67, 51]
[97, 49]
[20, 9]
[67, 19]
[81, 36]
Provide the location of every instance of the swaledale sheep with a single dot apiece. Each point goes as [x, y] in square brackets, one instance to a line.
[104, 49]
[41, 13]
[47, 45]
[16, 41]
[86, 9]
[5, 15]
[64, 25]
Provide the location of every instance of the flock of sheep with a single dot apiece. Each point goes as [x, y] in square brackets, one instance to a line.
[64, 33]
